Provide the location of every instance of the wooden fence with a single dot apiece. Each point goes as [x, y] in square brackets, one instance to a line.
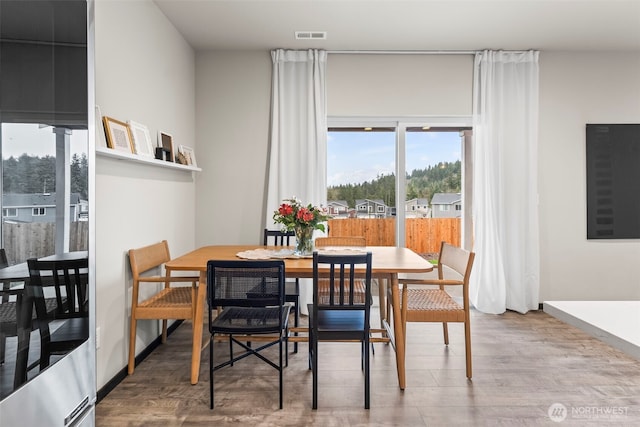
[37, 239]
[423, 235]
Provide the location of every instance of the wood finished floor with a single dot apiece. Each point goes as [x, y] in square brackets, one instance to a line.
[522, 365]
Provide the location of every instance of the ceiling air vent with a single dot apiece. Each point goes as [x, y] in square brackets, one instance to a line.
[311, 35]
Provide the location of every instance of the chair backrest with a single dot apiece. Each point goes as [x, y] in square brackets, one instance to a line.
[148, 257]
[323, 242]
[278, 237]
[69, 280]
[4, 263]
[6, 285]
[338, 274]
[244, 283]
[457, 259]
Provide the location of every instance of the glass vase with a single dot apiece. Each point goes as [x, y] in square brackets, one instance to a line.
[304, 241]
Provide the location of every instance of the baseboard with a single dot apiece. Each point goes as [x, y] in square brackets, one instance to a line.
[122, 374]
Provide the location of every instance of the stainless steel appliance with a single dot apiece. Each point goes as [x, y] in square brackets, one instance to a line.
[47, 129]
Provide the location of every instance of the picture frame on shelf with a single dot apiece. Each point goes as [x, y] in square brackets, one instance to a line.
[118, 135]
[188, 154]
[165, 141]
[141, 139]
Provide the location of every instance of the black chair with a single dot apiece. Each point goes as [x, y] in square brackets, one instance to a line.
[341, 317]
[7, 312]
[291, 287]
[251, 297]
[68, 279]
[6, 284]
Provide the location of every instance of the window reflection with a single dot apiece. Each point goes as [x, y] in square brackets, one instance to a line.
[30, 190]
[44, 170]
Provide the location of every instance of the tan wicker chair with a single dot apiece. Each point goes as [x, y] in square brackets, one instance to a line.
[178, 302]
[323, 242]
[436, 305]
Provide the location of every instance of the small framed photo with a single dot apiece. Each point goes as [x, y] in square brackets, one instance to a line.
[141, 139]
[188, 154]
[118, 135]
[165, 141]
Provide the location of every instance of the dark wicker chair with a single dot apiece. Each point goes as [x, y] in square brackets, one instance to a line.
[69, 280]
[340, 317]
[248, 297]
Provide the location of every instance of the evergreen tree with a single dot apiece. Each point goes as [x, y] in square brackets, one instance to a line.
[421, 184]
[32, 174]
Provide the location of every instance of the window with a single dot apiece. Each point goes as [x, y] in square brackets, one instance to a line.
[9, 212]
[39, 211]
[399, 164]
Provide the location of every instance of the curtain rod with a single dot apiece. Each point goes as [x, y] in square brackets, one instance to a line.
[405, 52]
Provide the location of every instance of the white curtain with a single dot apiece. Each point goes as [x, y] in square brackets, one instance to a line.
[506, 272]
[298, 153]
[298, 156]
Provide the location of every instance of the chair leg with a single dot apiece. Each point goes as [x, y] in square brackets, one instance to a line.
[296, 321]
[367, 379]
[445, 331]
[310, 346]
[286, 348]
[467, 344]
[280, 372]
[164, 331]
[314, 370]
[132, 345]
[211, 341]
[231, 348]
[2, 347]
[45, 351]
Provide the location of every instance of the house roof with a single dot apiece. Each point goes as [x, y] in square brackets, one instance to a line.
[446, 198]
[418, 201]
[338, 202]
[375, 201]
[12, 200]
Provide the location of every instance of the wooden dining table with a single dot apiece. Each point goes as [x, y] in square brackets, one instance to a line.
[387, 263]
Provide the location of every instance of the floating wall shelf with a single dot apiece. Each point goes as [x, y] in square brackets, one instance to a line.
[121, 155]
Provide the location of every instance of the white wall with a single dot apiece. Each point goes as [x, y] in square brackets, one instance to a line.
[144, 72]
[399, 85]
[232, 104]
[576, 89]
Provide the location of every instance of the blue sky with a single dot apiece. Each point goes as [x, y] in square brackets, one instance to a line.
[20, 138]
[355, 157]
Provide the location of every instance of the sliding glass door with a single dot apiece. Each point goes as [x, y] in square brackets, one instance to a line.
[408, 176]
